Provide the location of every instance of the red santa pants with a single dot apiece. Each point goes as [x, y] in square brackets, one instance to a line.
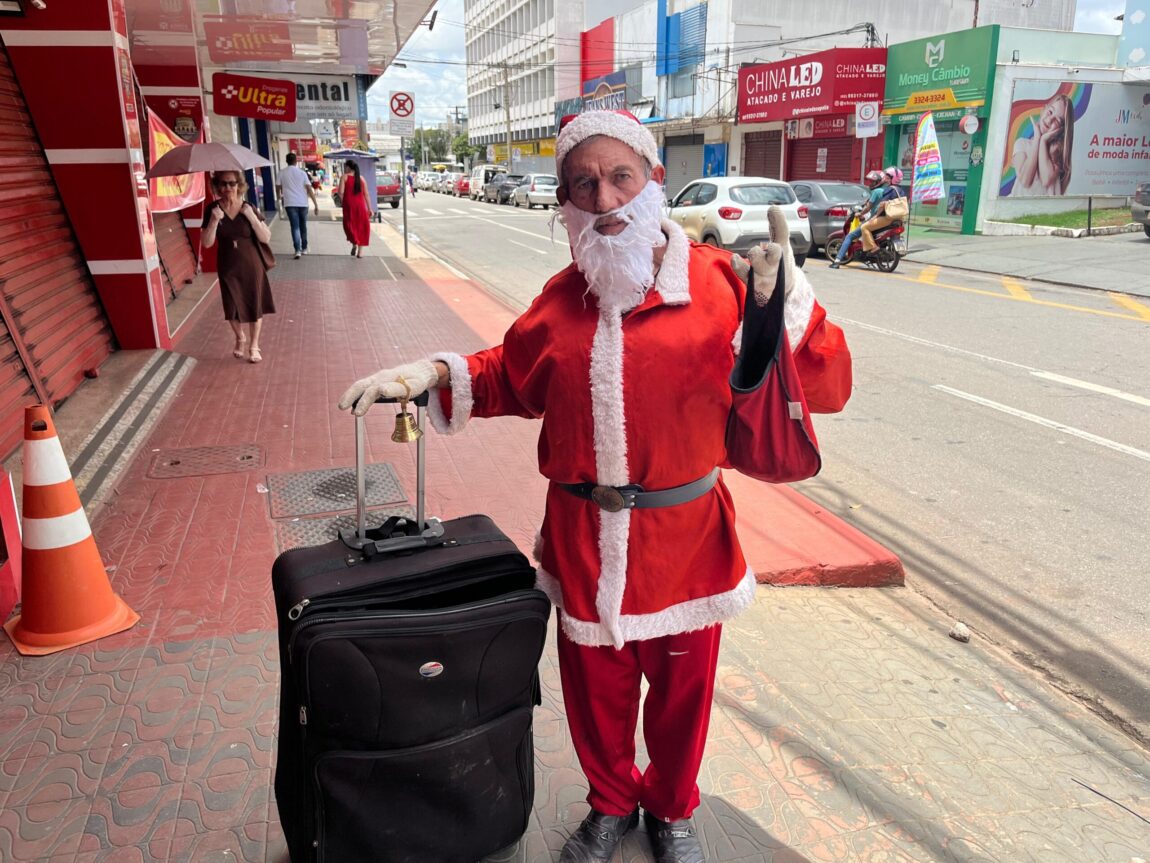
[601, 695]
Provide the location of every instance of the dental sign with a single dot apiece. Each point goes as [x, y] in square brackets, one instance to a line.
[256, 98]
[829, 82]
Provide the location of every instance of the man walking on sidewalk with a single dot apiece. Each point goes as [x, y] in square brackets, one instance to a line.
[294, 189]
[626, 357]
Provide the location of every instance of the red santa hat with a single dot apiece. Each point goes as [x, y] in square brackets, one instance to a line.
[623, 126]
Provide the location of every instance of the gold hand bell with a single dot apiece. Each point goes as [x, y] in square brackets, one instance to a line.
[406, 430]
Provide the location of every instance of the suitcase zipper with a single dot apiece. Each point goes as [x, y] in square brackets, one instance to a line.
[388, 615]
[340, 600]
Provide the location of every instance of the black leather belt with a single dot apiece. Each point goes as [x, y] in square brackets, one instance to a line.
[614, 498]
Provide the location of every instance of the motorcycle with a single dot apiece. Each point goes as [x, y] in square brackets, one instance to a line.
[890, 241]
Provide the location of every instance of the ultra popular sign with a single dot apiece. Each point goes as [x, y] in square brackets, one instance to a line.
[256, 98]
[829, 82]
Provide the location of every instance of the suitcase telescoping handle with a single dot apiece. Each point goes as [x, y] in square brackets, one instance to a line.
[425, 531]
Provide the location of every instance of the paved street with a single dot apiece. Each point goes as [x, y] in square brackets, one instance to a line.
[997, 439]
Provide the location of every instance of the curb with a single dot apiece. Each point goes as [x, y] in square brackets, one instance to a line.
[788, 539]
[1014, 229]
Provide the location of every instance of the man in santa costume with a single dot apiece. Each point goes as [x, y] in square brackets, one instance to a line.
[625, 356]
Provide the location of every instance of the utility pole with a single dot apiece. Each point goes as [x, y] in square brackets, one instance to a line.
[507, 113]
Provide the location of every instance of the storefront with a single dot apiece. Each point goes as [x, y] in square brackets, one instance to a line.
[796, 117]
[952, 76]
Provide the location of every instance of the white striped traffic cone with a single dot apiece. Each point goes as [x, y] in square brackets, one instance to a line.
[66, 596]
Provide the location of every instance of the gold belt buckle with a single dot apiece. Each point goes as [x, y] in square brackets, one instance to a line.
[608, 497]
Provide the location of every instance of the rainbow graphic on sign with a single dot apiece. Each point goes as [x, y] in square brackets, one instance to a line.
[1024, 114]
[926, 181]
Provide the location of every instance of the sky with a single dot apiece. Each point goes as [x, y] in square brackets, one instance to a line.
[440, 85]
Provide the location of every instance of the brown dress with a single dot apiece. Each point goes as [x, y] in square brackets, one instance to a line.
[244, 287]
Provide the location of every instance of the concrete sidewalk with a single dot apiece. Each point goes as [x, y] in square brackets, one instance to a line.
[1117, 262]
[846, 725]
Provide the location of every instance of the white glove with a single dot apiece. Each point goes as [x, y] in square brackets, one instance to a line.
[419, 376]
[764, 259]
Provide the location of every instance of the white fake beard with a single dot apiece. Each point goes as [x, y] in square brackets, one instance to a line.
[619, 269]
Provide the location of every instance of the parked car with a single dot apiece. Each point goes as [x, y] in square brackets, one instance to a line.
[462, 186]
[731, 212]
[387, 190]
[828, 203]
[499, 189]
[536, 190]
[446, 184]
[481, 175]
[1140, 209]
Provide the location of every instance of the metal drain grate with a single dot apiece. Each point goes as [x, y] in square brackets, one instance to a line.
[205, 460]
[302, 532]
[310, 492]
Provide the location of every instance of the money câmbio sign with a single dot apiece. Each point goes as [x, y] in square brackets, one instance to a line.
[256, 98]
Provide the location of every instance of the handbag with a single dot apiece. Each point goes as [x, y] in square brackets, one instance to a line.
[267, 256]
[769, 435]
[896, 208]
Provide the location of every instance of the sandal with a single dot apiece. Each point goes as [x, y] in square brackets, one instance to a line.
[255, 356]
[354, 249]
[239, 352]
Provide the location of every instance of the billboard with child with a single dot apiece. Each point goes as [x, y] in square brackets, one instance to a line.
[1073, 138]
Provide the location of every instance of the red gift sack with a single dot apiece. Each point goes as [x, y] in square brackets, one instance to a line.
[769, 431]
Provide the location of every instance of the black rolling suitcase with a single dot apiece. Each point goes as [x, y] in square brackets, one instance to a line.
[408, 659]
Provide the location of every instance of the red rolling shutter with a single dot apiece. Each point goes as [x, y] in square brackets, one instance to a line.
[176, 255]
[53, 325]
[804, 159]
[763, 154]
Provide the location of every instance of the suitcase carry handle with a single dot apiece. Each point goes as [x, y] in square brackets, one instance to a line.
[400, 533]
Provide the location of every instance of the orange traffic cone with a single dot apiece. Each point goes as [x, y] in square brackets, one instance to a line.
[66, 596]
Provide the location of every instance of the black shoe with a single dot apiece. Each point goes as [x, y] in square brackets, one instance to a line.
[835, 265]
[673, 841]
[595, 840]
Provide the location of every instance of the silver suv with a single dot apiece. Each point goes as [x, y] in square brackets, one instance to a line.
[731, 213]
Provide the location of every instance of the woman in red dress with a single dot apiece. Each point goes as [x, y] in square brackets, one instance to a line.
[356, 209]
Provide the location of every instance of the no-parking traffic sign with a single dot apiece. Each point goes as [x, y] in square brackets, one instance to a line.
[402, 118]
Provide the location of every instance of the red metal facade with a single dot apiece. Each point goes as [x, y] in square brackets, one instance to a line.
[597, 50]
[54, 325]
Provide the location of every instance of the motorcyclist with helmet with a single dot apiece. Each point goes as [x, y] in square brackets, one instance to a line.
[890, 191]
[878, 182]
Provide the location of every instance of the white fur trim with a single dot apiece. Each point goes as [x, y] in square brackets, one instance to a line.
[614, 125]
[462, 400]
[673, 281]
[797, 308]
[684, 617]
[549, 584]
[610, 437]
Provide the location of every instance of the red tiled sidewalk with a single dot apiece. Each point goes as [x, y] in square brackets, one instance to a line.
[157, 744]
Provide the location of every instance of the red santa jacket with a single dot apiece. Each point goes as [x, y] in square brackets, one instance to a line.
[643, 398]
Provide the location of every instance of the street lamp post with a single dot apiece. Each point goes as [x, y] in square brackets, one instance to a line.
[507, 113]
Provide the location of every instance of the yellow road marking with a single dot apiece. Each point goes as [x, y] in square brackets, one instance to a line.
[1140, 309]
[1016, 289]
[929, 274]
[998, 296]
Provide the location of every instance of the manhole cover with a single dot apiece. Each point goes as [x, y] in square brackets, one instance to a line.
[302, 532]
[310, 492]
[205, 460]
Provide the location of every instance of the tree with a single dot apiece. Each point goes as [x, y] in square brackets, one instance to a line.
[429, 145]
[464, 152]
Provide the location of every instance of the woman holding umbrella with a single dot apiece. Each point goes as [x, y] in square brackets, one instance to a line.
[356, 209]
[244, 287]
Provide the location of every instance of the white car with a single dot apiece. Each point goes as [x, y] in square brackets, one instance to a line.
[536, 190]
[731, 212]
